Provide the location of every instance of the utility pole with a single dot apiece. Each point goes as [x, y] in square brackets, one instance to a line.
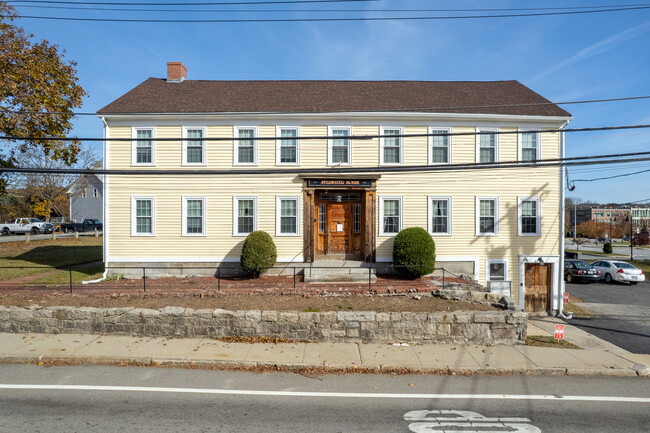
[631, 238]
[575, 221]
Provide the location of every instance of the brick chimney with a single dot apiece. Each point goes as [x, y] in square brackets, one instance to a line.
[176, 72]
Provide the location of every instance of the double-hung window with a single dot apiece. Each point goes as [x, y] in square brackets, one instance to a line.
[287, 216]
[194, 216]
[487, 145]
[529, 216]
[390, 215]
[245, 145]
[487, 216]
[194, 146]
[287, 147]
[245, 215]
[143, 216]
[143, 147]
[339, 148]
[392, 150]
[439, 146]
[528, 146]
[95, 193]
[439, 215]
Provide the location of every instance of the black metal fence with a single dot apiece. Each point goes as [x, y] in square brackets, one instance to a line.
[232, 275]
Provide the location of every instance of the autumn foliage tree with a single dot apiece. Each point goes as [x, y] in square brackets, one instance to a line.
[39, 91]
[592, 229]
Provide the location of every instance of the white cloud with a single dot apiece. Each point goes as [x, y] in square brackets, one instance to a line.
[595, 49]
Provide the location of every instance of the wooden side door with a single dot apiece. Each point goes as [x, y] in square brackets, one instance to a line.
[538, 287]
[338, 228]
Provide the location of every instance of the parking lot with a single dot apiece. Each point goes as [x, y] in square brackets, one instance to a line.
[621, 313]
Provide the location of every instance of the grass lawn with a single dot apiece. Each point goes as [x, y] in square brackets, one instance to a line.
[595, 253]
[63, 277]
[49, 253]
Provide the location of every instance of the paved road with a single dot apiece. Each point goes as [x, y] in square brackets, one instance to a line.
[622, 313]
[247, 402]
[639, 253]
[21, 238]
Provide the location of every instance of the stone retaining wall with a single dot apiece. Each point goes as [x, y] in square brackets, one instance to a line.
[478, 327]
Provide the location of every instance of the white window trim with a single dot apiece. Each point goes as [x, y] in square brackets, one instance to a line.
[480, 130]
[520, 148]
[329, 146]
[134, 147]
[278, 215]
[235, 213]
[430, 138]
[203, 222]
[381, 213]
[95, 193]
[538, 219]
[278, 145]
[401, 145]
[236, 145]
[488, 262]
[134, 219]
[204, 146]
[478, 215]
[430, 214]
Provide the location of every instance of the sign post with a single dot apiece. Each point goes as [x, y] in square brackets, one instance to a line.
[559, 332]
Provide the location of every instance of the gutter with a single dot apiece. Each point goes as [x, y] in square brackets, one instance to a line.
[103, 210]
[560, 273]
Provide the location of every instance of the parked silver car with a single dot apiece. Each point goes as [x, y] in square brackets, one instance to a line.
[615, 270]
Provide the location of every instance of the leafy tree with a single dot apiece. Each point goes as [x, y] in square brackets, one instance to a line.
[37, 81]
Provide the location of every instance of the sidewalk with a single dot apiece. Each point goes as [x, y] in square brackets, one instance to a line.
[596, 357]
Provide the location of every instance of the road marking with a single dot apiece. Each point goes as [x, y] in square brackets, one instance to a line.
[448, 421]
[553, 397]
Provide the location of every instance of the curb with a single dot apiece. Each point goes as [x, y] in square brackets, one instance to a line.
[640, 370]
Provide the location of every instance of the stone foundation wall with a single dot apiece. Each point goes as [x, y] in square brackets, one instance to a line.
[464, 327]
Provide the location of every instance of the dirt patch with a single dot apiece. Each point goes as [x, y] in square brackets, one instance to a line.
[543, 341]
[379, 303]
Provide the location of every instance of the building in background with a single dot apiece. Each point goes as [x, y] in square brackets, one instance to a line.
[86, 198]
[334, 170]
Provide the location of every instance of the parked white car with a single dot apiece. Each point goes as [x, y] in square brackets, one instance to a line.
[615, 270]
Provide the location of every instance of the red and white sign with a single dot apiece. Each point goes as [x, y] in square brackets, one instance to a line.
[559, 332]
[566, 297]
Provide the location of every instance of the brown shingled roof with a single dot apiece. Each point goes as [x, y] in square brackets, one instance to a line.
[156, 95]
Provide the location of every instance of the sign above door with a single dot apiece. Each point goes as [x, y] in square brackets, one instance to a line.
[340, 183]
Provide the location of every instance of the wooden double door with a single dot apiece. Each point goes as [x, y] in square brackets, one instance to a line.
[538, 287]
[340, 225]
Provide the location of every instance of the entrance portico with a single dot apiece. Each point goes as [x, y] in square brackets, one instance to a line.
[340, 218]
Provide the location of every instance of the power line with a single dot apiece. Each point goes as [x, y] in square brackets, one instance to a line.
[323, 10]
[237, 3]
[610, 177]
[459, 107]
[328, 137]
[339, 19]
[334, 170]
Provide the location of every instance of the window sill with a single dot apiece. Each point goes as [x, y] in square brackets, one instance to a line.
[529, 235]
[193, 235]
[143, 235]
[337, 164]
[292, 164]
[487, 234]
[143, 165]
[194, 164]
[285, 235]
[390, 235]
[245, 164]
[441, 234]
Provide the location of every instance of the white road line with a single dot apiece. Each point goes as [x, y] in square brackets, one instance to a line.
[552, 397]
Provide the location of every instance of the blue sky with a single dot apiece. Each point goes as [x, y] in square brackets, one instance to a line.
[564, 58]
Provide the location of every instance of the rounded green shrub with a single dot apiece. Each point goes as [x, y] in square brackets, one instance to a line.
[258, 253]
[607, 248]
[414, 253]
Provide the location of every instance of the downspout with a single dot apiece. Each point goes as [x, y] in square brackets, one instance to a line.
[560, 273]
[103, 210]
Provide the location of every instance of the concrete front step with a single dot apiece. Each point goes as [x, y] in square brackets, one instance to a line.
[339, 271]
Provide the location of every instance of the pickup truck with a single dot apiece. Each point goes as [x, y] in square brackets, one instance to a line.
[26, 225]
[87, 225]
